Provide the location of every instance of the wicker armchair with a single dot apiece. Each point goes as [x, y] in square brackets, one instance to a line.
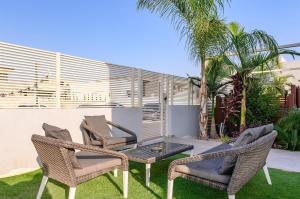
[95, 161]
[250, 159]
[96, 137]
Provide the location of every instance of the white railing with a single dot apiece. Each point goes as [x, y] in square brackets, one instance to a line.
[42, 79]
[27, 77]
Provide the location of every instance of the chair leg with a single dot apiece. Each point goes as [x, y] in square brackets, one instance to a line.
[170, 189]
[148, 170]
[42, 187]
[125, 184]
[72, 192]
[115, 172]
[231, 196]
[266, 171]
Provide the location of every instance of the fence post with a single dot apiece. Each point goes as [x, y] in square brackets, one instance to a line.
[172, 90]
[192, 91]
[167, 89]
[132, 86]
[162, 105]
[140, 88]
[189, 93]
[167, 106]
[57, 88]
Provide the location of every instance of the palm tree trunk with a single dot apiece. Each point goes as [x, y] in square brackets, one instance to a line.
[243, 110]
[203, 102]
[213, 131]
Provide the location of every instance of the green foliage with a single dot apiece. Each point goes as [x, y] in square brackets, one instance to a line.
[249, 52]
[289, 131]
[225, 138]
[216, 75]
[263, 98]
[245, 53]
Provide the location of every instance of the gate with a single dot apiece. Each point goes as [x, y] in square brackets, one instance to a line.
[153, 104]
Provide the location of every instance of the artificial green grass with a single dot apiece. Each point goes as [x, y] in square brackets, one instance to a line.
[286, 185]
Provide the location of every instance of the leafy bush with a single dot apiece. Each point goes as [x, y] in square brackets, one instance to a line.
[263, 99]
[289, 131]
[263, 102]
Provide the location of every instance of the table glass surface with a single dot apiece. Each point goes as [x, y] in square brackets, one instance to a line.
[157, 150]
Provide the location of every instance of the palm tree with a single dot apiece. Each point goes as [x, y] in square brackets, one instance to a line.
[216, 75]
[198, 22]
[248, 52]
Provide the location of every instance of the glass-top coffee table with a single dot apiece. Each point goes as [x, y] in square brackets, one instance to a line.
[149, 154]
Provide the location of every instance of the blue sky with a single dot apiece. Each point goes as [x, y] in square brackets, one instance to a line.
[114, 31]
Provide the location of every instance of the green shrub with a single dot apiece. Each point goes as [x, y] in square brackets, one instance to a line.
[289, 131]
[263, 100]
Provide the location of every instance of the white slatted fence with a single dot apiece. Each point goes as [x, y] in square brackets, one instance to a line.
[33, 78]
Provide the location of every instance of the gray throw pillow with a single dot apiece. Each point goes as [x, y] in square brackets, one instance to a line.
[269, 128]
[62, 134]
[248, 136]
[99, 125]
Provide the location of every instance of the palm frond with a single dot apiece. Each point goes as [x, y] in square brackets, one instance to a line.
[196, 81]
[216, 75]
[256, 50]
[197, 21]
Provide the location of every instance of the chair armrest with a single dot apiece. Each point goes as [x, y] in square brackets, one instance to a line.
[93, 149]
[208, 156]
[122, 129]
[91, 130]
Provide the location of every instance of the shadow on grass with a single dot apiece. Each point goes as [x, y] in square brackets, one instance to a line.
[140, 177]
[26, 188]
[114, 183]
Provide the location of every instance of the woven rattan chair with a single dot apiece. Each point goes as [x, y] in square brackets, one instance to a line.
[202, 168]
[98, 135]
[55, 158]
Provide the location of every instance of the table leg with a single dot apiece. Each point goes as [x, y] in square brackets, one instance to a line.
[148, 167]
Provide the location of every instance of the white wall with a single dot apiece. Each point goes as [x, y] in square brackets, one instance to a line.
[17, 125]
[130, 118]
[183, 121]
